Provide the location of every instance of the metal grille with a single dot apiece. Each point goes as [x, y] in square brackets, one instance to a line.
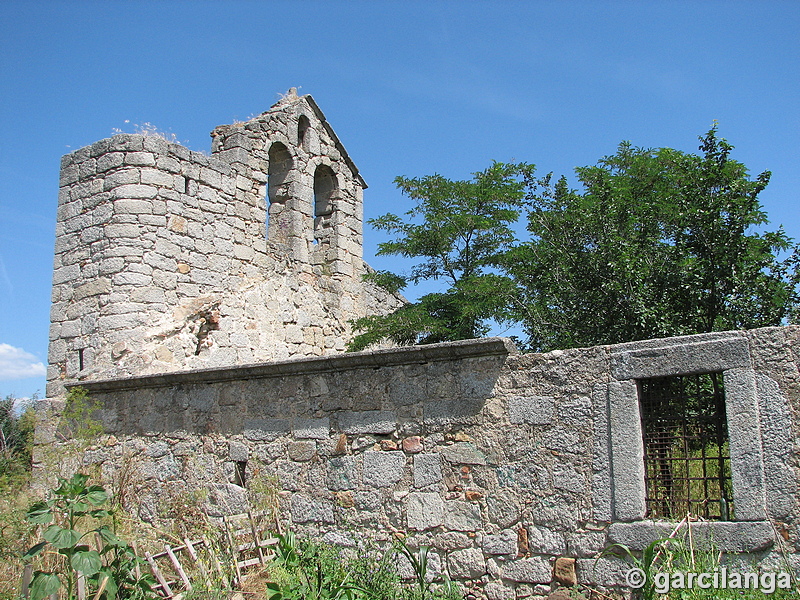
[687, 457]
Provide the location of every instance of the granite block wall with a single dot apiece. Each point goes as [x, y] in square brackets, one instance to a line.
[516, 469]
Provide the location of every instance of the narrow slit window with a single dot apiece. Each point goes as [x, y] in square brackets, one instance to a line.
[325, 187]
[240, 472]
[686, 447]
[280, 164]
[302, 126]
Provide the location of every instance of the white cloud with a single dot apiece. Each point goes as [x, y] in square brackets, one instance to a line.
[15, 363]
[20, 405]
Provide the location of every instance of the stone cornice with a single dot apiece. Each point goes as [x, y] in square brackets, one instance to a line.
[321, 364]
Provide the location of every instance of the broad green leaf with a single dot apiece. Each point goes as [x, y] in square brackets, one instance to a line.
[110, 538]
[72, 487]
[79, 480]
[44, 584]
[96, 495]
[40, 513]
[34, 550]
[61, 538]
[63, 488]
[86, 562]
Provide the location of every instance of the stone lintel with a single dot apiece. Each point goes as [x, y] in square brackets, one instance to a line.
[679, 356]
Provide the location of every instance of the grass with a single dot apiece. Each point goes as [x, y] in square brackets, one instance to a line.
[671, 568]
[16, 534]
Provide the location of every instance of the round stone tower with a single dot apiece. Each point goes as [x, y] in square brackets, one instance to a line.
[168, 259]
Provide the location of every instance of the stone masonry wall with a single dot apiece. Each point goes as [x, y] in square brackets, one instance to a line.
[502, 463]
[162, 260]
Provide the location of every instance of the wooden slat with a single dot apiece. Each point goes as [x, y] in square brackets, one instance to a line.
[25, 586]
[102, 588]
[178, 568]
[261, 544]
[166, 554]
[81, 585]
[199, 542]
[256, 540]
[136, 569]
[250, 562]
[270, 542]
[159, 577]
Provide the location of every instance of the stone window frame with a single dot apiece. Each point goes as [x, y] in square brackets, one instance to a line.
[620, 479]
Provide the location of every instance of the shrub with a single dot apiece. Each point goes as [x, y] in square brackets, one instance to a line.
[109, 570]
[16, 444]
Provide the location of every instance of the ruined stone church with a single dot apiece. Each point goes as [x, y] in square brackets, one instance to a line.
[168, 259]
[205, 302]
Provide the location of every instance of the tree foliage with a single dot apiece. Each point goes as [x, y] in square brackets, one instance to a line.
[658, 243]
[16, 441]
[458, 230]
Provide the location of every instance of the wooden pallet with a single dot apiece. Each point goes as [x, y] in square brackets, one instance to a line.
[245, 542]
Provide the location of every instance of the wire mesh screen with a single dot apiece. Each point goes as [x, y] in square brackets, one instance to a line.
[687, 456]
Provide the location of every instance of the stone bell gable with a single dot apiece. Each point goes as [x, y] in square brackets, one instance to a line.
[169, 259]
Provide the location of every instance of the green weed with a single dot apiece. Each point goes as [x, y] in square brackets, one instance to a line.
[108, 570]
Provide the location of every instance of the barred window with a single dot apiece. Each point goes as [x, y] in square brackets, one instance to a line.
[686, 449]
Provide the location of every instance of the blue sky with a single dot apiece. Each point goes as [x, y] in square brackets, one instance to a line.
[411, 88]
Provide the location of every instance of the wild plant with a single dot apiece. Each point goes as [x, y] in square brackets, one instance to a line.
[16, 443]
[79, 417]
[108, 570]
[667, 560]
[148, 129]
[645, 564]
[312, 571]
[423, 588]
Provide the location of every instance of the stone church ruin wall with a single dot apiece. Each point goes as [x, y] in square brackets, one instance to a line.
[204, 302]
[501, 462]
[168, 259]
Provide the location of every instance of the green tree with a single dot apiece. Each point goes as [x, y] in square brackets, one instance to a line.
[458, 229]
[658, 243]
[16, 441]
